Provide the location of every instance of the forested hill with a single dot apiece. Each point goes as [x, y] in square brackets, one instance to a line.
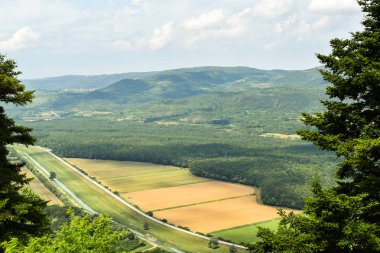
[138, 88]
[194, 77]
[74, 82]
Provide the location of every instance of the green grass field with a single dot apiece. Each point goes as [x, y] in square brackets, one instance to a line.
[126, 177]
[100, 201]
[245, 233]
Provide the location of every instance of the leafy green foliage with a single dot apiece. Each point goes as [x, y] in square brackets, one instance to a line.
[146, 226]
[213, 243]
[81, 234]
[21, 211]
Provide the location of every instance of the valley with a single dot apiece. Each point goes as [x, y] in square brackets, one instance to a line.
[211, 150]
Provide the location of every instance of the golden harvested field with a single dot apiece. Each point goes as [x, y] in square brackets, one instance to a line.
[214, 216]
[135, 176]
[39, 188]
[281, 136]
[187, 194]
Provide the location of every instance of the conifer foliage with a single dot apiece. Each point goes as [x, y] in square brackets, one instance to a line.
[21, 211]
[344, 218]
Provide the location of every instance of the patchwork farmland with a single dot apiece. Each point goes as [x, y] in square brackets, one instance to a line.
[134, 176]
[102, 202]
[174, 194]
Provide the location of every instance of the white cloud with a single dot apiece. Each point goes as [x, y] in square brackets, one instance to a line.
[162, 36]
[272, 8]
[210, 19]
[222, 32]
[285, 24]
[121, 45]
[22, 38]
[331, 6]
[321, 23]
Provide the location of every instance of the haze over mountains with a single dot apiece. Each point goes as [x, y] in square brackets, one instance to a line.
[137, 88]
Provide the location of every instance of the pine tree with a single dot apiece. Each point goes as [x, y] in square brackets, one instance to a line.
[344, 218]
[350, 125]
[21, 211]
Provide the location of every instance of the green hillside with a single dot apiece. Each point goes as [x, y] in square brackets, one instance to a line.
[79, 81]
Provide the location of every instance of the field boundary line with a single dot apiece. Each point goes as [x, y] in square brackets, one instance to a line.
[200, 203]
[124, 202]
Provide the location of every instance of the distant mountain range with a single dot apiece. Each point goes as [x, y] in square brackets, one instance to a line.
[147, 87]
[196, 77]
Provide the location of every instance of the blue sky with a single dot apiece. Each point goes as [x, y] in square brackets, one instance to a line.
[58, 37]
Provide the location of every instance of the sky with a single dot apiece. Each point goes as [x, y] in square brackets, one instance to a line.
[59, 37]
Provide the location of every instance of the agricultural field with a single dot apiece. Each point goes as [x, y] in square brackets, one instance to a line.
[182, 199]
[218, 215]
[39, 188]
[102, 202]
[171, 197]
[135, 176]
[245, 233]
[281, 136]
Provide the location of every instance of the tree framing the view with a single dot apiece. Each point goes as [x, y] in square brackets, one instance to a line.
[21, 211]
[344, 218]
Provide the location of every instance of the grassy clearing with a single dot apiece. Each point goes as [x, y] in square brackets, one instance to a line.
[135, 176]
[245, 233]
[166, 198]
[104, 203]
[39, 188]
[218, 215]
